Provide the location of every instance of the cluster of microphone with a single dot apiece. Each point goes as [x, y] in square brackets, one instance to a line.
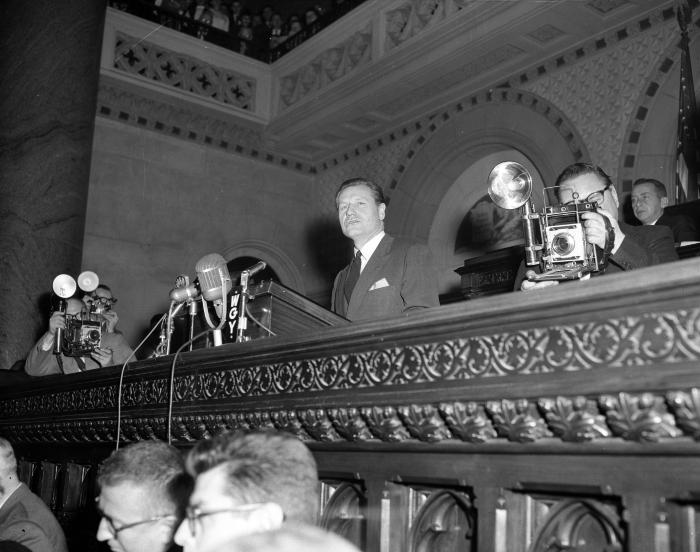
[213, 284]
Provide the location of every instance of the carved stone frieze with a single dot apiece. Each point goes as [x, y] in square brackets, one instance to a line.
[349, 424]
[639, 417]
[146, 60]
[329, 66]
[385, 423]
[424, 423]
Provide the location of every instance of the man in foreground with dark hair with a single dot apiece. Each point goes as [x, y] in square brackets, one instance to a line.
[649, 198]
[143, 493]
[631, 247]
[387, 276]
[247, 483]
[24, 518]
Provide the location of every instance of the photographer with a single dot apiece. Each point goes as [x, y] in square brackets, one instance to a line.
[632, 246]
[113, 349]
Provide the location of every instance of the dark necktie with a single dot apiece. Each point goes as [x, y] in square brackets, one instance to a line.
[353, 274]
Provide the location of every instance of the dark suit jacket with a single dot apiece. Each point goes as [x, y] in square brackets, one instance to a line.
[398, 277]
[642, 246]
[24, 518]
[682, 226]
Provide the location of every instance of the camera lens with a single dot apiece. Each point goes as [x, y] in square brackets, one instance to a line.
[94, 335]
[563, 243]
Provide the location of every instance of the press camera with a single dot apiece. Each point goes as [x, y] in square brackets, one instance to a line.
[555, 239]
[83, 334]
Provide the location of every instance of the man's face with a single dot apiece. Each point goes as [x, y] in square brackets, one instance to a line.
[646, 203]
[586, 184]
[212, 529]
[127, 503]
[360, 216]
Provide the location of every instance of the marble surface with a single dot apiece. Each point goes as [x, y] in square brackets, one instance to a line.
[50, 55]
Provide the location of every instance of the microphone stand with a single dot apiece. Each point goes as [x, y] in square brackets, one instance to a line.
[192, 312]
[242, 324]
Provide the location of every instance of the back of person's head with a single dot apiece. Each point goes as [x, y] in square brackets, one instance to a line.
[267, 466]
[154, 465]
[299, 538]
[659, 188]
[579, 169]
[376, 189]
[8, 461]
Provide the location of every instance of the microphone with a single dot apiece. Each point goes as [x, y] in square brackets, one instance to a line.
[212, 273]
[257, 267]
[187, 293]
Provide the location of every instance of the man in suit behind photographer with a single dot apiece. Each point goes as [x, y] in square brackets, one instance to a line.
[649, 198]
[113, 349]
[632, 246]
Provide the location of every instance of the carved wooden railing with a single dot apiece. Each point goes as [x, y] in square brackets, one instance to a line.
[554, 420]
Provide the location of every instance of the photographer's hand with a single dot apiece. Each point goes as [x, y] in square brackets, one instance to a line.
[111, 319]
[596, 230]
[57, 322]
[102, 355]
[527, 285]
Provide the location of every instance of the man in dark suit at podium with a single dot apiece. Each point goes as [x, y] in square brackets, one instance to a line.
[387, 276]
[649, 198]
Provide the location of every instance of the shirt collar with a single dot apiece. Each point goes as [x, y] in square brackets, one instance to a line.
[370, 247]
[8, 495]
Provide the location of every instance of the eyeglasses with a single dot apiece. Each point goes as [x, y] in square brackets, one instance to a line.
[116, 530]
[595, 197]
[193, 513]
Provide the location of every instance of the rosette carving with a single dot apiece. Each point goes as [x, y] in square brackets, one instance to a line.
[638, 417]
[468, 421]
[384, 423]
[574, 419]
[424, 422]
[686, 406]
[517, 420]
[349, 424]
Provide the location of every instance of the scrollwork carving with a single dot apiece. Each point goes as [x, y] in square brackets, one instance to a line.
[424, 422]
[686, 406]
[350, 424]
[318, 425]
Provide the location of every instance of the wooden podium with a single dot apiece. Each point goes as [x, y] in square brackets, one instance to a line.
[283, 311]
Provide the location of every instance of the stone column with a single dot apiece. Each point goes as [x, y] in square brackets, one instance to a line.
[49, 66]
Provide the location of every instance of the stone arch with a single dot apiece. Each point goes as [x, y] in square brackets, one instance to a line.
[279, 261]
[460, 141]
[650, 147]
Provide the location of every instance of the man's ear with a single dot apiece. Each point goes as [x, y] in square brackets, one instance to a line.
[382, 211]
[613, 192]
[267, 517]
[664, 202]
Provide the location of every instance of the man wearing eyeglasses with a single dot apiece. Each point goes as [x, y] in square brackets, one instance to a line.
[632, 247]
[143, 492]
[247, 483]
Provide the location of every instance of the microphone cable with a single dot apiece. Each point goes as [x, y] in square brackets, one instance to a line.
[121, 377]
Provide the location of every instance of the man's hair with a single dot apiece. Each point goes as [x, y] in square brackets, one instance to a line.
[8, 461]
[265, 466]
[290, 539]
[579, 169]
[376, 189]
[155, 465]
[659, 187]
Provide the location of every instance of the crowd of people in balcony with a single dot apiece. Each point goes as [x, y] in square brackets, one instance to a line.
[243, 26]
